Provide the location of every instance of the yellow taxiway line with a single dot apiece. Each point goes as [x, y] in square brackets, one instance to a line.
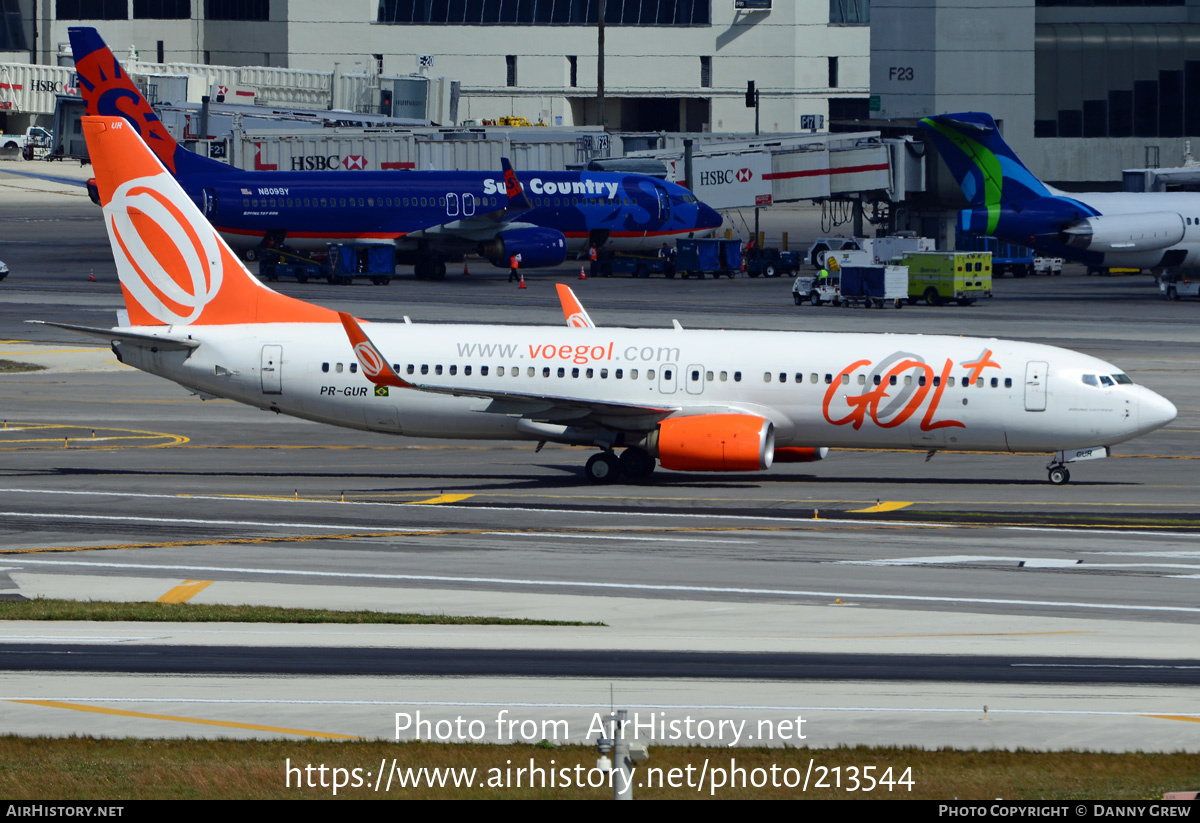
[227, 724]
[185, 591]
[886, 506]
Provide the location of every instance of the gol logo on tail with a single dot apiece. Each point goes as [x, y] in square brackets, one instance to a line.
[369, 358]
[148, 228]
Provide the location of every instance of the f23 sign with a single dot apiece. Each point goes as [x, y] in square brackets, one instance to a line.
[732, 181]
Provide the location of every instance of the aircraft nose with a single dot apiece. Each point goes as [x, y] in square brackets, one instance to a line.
[710, 218]
[1155, 411]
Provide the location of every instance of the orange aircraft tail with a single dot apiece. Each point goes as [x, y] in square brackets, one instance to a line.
[173, 266]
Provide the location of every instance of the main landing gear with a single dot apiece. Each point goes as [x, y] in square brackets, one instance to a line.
[605, 467]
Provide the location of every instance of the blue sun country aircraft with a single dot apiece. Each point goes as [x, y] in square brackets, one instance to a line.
[430, 216]
[1102, 229]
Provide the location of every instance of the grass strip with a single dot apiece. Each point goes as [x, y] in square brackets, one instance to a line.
[103, 611]
[13, 366]
[125, 769]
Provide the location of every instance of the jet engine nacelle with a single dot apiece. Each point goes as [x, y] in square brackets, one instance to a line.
[1126, 232]
[537, 247]
[714, 443]
[800, 454]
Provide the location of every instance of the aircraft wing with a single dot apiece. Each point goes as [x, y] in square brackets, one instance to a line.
[540, 407]
[126, 336]
[483, 226]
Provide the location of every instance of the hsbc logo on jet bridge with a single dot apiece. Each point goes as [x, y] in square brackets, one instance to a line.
[719, 177]
[330, 162]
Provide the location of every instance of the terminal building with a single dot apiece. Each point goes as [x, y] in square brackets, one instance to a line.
[670, 65]
[1081, 88]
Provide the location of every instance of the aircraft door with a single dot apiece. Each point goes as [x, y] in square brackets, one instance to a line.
[1036, 379]
[694, 379]
[667, 379]
[664, 203]
[210, 203]
[272, 372]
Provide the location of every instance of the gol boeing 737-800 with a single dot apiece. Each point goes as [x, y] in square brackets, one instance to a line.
[692, 400]
[429, 216]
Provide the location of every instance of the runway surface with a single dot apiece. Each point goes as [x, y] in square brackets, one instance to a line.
[867, 589]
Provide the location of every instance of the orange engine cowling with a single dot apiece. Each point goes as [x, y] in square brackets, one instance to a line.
[715, 443]
[800, 454]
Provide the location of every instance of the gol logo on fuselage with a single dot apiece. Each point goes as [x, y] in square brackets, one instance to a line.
[891, 405]
[193, 242]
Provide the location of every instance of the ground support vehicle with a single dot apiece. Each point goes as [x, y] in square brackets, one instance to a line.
[636, 265]
[3, 270]
[1047, 265]
[884, 249]
[817, 291]
[823, 245]
[874, 286]
[284, 261]
[715, 257]
[1007, 258]
[1174, 286]
[771, 262]
[350, 260]
[34, 143]
[938, 277]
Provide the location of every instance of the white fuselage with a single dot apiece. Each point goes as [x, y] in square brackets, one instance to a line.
[818, 389]
[1124, 209]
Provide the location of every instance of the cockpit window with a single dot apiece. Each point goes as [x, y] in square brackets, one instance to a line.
[1123, 379]
[1090, 380]
[1105, 380]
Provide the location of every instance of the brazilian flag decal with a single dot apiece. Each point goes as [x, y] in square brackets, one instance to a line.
[381, 391]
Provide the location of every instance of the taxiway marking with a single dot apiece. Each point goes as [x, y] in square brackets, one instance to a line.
[227, 724]
[185, 591]
[888, 506]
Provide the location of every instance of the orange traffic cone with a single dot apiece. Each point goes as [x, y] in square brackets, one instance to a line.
[465, 272]
[582, 276]
[522, 282]
[91, 275]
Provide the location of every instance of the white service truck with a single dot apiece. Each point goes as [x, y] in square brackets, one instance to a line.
[35, 142]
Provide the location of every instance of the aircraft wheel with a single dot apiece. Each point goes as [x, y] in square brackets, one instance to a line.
[1172, 294]
[602, 468]
[1059, 476]
[251, 255]
[636, 463]
[439, 270]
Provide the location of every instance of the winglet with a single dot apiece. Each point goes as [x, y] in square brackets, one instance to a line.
[573, 311]
[513, 188]
[374, 365]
